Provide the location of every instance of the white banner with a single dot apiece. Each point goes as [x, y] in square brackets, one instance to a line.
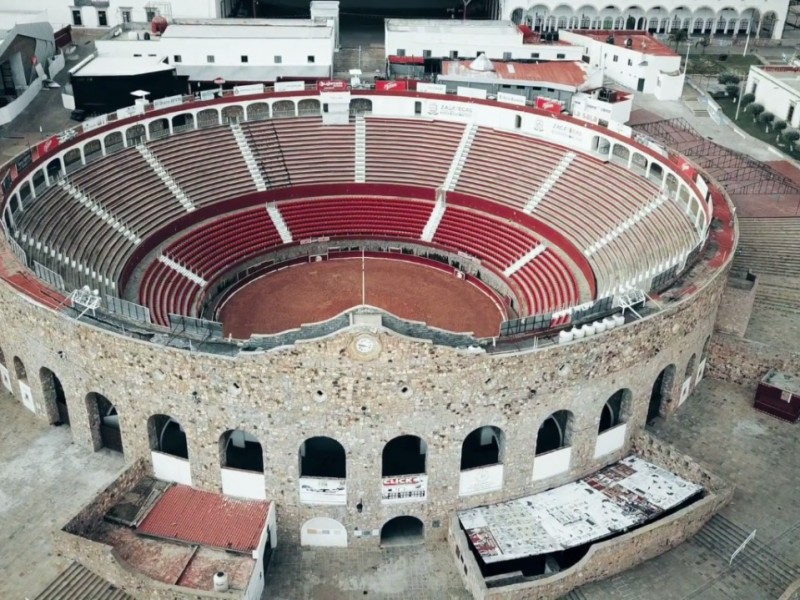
[27, 397]
[290, 86]
[252, 88]
[6, 379]
[130, 111]
[323, 491]
[432, 88]
[404, 488]
[208, 94]
[481, 480]
[168, 101]
[511, 98]
[469, 92]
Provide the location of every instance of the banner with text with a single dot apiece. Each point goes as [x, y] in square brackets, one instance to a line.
[404, 488]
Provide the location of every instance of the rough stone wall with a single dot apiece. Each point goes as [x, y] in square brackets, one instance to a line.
[745, 362]
[736, 306]
[451, 394]
[618, 554]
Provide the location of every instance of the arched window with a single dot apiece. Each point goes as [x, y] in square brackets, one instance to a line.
[208, 118]
[72, 159]
[241, 450]
[555, 432]
[19, 370]
[232, 114]
[322, 457]
[54, 396]
[158, 128]
[484, 446]
[283, 108]
[113, 141]
[661, 394]
[106, 433]
[135, 135]
[656, 173]
[309, 107]
[182, 122]
[167, 436]
[620, 154]
[92, 150]
[639, 163]
[404, 455]
[402, 531]
[258, 111]
[616, 410]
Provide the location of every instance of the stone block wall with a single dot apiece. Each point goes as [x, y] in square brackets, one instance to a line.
[736, 305]
[745, 362]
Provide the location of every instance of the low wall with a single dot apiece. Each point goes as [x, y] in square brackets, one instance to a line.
[736, 305]
[744, 362]
[615, 555]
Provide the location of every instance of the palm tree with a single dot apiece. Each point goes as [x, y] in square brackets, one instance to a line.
[678, 36]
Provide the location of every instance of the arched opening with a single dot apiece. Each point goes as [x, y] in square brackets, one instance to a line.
[482, 447]
[38, 180]
[359, 106]
[656, 173]
[113, 141]
[283, 108]
[516, 15]
[72, 159]
[768, 22]
[601, 145]
[309, 108]
[106, 432]
[232, 114]
[322, 531]
[620, 155]
[258, 111]
[555, 432]
[208, 118]
[404, 455]
[322, 457]
[701, 367]
[19, 370]
[402, 531]
[661, 394]
[135, 135]
[167, 436]
[639, 163]
[54, 397]
[616, 410]
[241, 450]
[182, 122]
[158, 128]
[92, 150]
[54, 169]
[690, 367]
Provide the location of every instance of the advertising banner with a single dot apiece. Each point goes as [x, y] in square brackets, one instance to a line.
[511, 98]
[391, 86]
[323, 491]
[550, 105]
[290, 86]
[431, 88]
[94, 123]
[46, 146]
[244, 90]
[469, 92]
[168, 101]
[23, 161]
[332, 85]
[404, 488]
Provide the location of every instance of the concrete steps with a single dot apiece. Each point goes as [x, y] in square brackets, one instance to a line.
[277, 220]
[769, 246]
[249, 159]
[551, 180]
[361, 150]
[164, 175]
[101, 212]
[433, 221]
[460, 157]
[189, 274]
[524, 260]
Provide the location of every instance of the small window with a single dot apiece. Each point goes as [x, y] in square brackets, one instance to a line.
[401, 52]
[177, 58]
[245, 58]
[630, 62]
[278, 59]
[518, 121]
[151, 13]
[102, 20]
[506, 55]
[426, 54]
[561, 55]
[417, 108]
[453, 53]
[325, 107]
[534, 55]
[616, 58]
[76, 17]
[137, 55]
[126, 16]
[310, 59]
[210, 58]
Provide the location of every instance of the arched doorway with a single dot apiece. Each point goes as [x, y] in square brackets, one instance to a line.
[241, 450]
[402, 531]
[555, 432]
[323, 470]
[404, 455]
[661, 394]
[54, 397]
[103, 413]
[482, 447]
[24, 389]
[616, 410]
[167, 436]
[322, 531]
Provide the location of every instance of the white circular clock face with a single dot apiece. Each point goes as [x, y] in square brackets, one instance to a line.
[365, 344]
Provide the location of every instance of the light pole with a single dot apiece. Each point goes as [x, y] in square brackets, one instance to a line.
[739, 102]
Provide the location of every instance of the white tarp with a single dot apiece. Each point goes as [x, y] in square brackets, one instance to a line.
[623, 495]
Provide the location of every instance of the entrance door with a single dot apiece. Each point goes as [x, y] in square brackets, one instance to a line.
[640, 86]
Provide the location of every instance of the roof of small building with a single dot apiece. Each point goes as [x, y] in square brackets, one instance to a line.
[783, 381]
[108, 66]
[191, 515]
[568, 73]
[77, 582]
[640, 42]
[452, 25]
[247, 28]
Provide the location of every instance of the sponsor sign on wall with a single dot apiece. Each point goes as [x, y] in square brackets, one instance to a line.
[481, 480]
[94, 123]
[458, 110]
[332, 85]
[6, 379]
[168, 101]
[404, 488]
[252, 88]
[208, 94]
[290, 86]
[511, 98]
[432, 88]
[23, 161]
[46, 146]
[469, 92]
[391, 86]
[685, 389]
[323, 491]
[130, 111]
[27, 397]
[550, 105]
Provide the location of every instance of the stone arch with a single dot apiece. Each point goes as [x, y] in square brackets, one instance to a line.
[113, 141]
[310, 107]
[404, 455]
[283, 108]
[208, 117]
[661, 393]
[104, 421]
[135, 135]
[19, 370]
[232, 113]
[72, 158]
[323, 531]
[240, 450]
[404, 530]
[483, 447]
[258, 111]
[536, 15]
[55, 400]
[322, 456]
[360, 106]
[616, 410]
[158, 128]
[167, 436]
[555, 432]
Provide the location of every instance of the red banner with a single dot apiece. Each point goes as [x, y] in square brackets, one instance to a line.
[391, 86]
[332, 85]
[550, 105]
[46, 146]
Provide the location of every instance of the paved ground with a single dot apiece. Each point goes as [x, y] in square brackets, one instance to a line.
[44, 478]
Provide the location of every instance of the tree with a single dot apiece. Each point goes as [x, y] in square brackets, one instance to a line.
[791, 136]
[703, 42]
[756, 109]
[748, 99]
[678, 36]
[732, 90]
[727, 78]
[778, 126]
[766, 118]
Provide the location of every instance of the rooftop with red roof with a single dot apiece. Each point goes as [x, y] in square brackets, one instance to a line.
[566, 73]
[640, 42]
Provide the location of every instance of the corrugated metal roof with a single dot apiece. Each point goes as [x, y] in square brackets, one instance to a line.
[563, 72]
[79, 583]
[189, 515]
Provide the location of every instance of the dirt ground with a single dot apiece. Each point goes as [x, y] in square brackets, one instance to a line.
[318, 291]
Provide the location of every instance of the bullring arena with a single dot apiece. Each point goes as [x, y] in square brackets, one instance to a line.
[366, 319]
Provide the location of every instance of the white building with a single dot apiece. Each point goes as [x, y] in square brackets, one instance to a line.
[443, 38]
[764, 18]
[636, 61]
[778, 89]
[238, 50]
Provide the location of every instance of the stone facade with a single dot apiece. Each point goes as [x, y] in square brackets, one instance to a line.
[737, 304]
[745, 362]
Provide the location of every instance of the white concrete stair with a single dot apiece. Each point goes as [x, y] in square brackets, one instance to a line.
[524, 259]
[361, 150]
[277, 220]
[164, 175]
[548, 183]
[190, 275]
[249, 158]
[436, 217]
[101, 212]
[638, 216]
[460, 157]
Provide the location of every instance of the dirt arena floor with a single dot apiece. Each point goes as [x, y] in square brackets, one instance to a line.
[314, 292]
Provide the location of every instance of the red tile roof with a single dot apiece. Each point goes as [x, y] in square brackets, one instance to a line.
[641, 42]
[190, 515]
[563, 72]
